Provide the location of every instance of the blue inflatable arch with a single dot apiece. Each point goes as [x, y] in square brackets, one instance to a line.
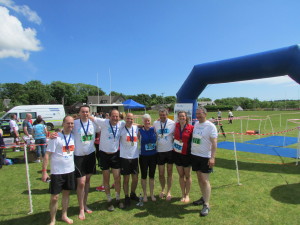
[279, 62]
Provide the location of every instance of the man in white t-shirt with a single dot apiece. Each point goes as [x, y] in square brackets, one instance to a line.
[84, 157]
[164, 129]
[129, 155]
[203, 151]
[14, 131]
[60, 152]
[110, 154]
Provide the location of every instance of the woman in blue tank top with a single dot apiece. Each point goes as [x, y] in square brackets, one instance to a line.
[40, 133]
[148, 156]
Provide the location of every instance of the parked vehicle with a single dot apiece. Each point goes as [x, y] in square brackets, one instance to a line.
[52, 114]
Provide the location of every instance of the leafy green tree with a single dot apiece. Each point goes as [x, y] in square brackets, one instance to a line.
[37, 92]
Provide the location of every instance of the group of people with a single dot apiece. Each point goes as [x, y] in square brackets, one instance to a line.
[72, 156]
[230, 116]
[36, 130]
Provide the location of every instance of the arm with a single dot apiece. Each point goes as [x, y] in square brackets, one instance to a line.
[25, 130]
[211, 161]
[45, 165]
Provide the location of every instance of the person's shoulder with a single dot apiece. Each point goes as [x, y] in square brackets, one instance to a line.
[171, 121]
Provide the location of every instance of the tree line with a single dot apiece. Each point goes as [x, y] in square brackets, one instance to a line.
[35, 92]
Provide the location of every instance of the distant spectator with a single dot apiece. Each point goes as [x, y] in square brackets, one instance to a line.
[219, 114]
[41, 118]
[230, 116]
[27, 128]
[40, 133]
[14, 130]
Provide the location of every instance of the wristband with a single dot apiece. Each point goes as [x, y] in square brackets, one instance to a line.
[44, 170]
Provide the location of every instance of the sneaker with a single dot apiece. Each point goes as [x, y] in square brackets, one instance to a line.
[205, 210]
[120, 204]
[37, 161]
[134, 197]
[127, 201]
[110, 206]
[100, 188]
[199, 202]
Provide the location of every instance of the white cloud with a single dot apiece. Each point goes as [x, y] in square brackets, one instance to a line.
[31, 15]
[282, 80]
[16, 41]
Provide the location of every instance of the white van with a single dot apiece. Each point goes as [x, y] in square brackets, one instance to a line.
[52, 114]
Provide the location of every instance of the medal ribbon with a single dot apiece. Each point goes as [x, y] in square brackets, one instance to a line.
[181, 131]
[114, 132]
[87, 128]
[161, 127]
[67, 142]
[131, 136]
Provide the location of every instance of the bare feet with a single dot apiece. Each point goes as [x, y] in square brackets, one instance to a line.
[145, 199]
[67, 220]
[88, 211]
[52, 222]
[182, 199]
[153, 198]
[81, 215]
[169, 197]
[187, 199]
[162, 195]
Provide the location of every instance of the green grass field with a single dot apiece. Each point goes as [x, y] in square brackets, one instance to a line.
[269, 194]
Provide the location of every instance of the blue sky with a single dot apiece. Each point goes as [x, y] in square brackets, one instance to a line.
[149, 46]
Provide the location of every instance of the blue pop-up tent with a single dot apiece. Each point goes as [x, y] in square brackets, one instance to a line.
[131, 104]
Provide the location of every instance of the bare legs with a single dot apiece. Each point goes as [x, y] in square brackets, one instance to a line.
[151, 186]
[185, 182]
[83, 186]
[162, 180]
[203, 180]
[54, 206]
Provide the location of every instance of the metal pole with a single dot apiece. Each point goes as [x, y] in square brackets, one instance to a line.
[28, 180]
[236, 161]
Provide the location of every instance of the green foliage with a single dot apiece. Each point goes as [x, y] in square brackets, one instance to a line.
[220, 107]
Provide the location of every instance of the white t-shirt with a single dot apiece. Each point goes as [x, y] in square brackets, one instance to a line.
[129, 149]
[84, 136]
[165, 133]
[62, 159]
[13, 124]
[201, 144]
[110, 135]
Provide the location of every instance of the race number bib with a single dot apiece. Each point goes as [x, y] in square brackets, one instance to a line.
[196, 141]
[86, 138]
[178, 146]
[150, 146]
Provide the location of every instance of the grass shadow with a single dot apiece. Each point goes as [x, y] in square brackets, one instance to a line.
[171, 209]
[288, 168]
[288, 193]
[44, 217]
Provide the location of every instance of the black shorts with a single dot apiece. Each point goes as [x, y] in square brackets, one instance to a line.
[148, 163]
[200, 164]
[129, 166]
[182, 160]
[85, 165]
[61, 182]
[108, 161]
[165, 157]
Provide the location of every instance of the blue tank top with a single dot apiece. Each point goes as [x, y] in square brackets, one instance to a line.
[148, 142]
[39, 131]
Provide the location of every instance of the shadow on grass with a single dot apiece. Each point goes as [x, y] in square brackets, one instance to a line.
[170, 209]
[288, 168]
[288, 193]
[44, 217]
